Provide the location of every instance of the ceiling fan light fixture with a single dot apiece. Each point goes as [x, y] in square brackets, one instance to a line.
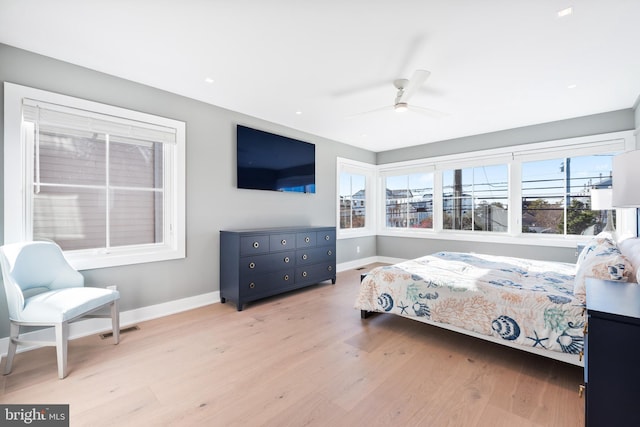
[401, 107]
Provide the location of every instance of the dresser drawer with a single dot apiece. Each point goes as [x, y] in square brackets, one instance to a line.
[254, 245]
[306, 239]
[282, 242]
[265, 263]
[326, 238]
[315, 255]
[315, 273]
[261, 284]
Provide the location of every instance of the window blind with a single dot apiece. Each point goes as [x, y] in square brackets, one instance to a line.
[98, 179]
[75, 119]
[581, 149]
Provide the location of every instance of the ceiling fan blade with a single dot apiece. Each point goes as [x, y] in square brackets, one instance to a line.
[417, 80]
[415, 45]
[371, 111]
[361, 88]
[428, 112]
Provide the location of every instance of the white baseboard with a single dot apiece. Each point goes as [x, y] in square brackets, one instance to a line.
[365, 261]
[389, 260]
[86, 327]
[355, 264]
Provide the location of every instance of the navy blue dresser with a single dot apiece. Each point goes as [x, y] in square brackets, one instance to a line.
[255, 264]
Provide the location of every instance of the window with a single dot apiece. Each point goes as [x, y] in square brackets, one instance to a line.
[105, 183]
[409, 201]
[352, 200]
[476, 199]
[355, 198]
[556, 194]
[528, 194]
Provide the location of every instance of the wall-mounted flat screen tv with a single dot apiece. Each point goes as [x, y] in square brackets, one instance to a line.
[272, 162]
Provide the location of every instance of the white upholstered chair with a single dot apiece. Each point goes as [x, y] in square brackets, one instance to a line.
[44, 290]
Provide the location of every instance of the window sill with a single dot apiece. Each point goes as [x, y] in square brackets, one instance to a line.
[487, 237]
[92, 259]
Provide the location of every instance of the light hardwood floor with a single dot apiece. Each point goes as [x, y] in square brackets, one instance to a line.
[304, 358]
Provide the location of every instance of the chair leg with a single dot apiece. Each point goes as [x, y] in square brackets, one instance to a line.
[115, 321]
[62, 337]
[14, 331]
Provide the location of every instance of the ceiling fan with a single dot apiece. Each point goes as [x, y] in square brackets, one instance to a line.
[406, 89]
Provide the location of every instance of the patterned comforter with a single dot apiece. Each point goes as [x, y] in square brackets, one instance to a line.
[525, 302]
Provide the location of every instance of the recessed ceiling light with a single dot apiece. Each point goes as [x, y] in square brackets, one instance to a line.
[208, 80]
[565, 12]
[572, 86]
[298, 113]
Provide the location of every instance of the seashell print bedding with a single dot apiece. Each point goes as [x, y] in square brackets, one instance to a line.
[522, 301]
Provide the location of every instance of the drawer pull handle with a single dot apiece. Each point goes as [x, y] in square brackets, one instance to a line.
[586, 328]
[329, 253]
[283, 242]
[252, 265]
[307, 239]
[327, 237]
[330, 268]
[256, 245]
[304, 274]
[580, 390]
[286, 259]
[286, 277]
[252, 285]
[304, 256]
[581, 355]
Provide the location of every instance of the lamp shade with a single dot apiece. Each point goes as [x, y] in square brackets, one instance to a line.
[626, 180]
[601, 199]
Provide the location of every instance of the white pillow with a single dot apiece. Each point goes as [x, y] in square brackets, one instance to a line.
[631, 249]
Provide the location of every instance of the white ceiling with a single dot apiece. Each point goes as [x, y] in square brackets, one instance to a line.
[495, 64]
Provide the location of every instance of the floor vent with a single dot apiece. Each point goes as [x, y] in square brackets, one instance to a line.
[359, 268]
[122, 331]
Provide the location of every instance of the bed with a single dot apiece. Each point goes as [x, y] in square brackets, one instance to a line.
[526, 304]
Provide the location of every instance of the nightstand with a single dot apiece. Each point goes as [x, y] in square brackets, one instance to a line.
[612, 354]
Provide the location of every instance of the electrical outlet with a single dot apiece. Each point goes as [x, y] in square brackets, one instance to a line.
[112, 287]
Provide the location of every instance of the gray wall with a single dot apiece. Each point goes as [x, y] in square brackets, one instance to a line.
[637, 121]
[353, 249]
[399, 247]
[408, 248]
[213, 201]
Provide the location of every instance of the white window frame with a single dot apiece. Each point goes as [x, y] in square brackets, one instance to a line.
[399, 169]
[492, 233]
[18, 182]
[369, 172]
[513, 157]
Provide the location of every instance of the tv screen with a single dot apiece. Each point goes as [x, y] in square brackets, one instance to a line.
[272, 162]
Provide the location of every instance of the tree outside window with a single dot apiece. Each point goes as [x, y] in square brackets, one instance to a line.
[556, 195]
